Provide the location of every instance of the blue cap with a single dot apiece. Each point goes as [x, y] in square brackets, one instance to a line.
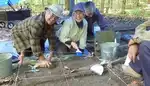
[79, 7]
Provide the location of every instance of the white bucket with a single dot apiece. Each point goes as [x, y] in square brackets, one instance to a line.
[5, 64]
[108, 50]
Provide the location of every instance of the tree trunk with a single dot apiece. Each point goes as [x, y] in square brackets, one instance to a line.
[111, 4]
[43, 4]
[67, 4]
[148, 1]
[123, 6]
[108, 6]
[136, 3]
[102, 5]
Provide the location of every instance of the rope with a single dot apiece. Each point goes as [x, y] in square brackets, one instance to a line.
[117, 75]
[17, 76]
[58, 56]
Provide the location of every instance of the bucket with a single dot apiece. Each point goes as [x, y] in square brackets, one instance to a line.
[109, 50]
[5, 64]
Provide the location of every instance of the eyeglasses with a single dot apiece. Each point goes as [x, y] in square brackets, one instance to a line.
[89, 13]
[53, 15]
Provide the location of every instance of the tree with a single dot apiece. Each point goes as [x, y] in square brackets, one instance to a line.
[111, 4]
[148, 1]
[136, 3]
[108, 5]
[67, 4]
[123, 6]
[102, 5]
[43, 4]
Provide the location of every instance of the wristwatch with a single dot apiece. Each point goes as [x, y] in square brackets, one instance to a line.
[136, 40]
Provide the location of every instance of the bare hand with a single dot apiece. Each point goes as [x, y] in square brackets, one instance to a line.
[43, 63]
[50, 56]
[20, 59]
[74, 45]
[132, 52]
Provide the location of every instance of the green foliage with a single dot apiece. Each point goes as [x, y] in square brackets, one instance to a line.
[114, 7]
[147, 14]
[137, 12]
[37, 5]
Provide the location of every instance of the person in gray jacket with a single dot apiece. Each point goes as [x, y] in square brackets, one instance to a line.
[73, 33]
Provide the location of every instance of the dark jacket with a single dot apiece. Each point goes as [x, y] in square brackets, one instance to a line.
[96, 18]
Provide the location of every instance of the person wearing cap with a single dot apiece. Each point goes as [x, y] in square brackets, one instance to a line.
[73, 33]
[93, 15]
[30, 34]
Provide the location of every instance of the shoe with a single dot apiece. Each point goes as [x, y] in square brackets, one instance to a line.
[129, 71]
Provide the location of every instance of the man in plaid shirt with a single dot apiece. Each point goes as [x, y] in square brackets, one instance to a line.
[30, 34]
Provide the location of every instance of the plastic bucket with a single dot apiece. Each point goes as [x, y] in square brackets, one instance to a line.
[5, 64]
[108, 50]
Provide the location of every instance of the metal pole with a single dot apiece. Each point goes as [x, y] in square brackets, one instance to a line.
[10, 4]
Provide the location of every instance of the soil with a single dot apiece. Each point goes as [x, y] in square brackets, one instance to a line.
[5, 34]
[59, 76]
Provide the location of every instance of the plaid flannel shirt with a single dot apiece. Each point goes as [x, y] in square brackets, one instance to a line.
[29, 32]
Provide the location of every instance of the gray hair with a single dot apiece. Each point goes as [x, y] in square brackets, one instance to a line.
[89, 6]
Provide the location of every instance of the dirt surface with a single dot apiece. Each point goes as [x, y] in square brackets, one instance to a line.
[59, 76]
[5, 34]
[84, 81]
[123, 23]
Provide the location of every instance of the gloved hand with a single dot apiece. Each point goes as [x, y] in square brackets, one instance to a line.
[79, 53]
[86, 53]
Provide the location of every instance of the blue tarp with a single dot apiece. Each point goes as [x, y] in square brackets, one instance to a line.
[8, 2]
[7, 47]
